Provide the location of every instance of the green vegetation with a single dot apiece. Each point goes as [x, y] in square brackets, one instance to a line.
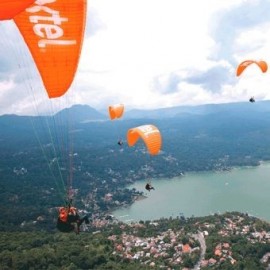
[39, 250]
[31, 190]
[30, 182]
[137, 246]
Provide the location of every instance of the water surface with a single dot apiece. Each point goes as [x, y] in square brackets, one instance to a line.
[244, 189]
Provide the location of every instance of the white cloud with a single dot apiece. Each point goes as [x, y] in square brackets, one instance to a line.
[254, 43]
[130, 45]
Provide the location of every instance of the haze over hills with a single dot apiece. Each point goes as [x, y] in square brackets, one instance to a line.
[233, 119]
[85, 112]
[195, 138]
[80, 113]
[219, 127]
[231, 108]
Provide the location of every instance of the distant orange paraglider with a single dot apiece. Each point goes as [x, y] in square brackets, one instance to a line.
[149, 134]
[10, 8]
[116, 111]
[53, 31]
[242, 66]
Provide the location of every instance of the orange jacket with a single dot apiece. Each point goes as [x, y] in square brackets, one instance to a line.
[64, 212]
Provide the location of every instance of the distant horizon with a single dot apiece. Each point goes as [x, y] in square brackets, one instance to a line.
[104, 111]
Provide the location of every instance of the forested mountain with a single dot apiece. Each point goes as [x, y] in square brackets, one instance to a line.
[38, 153]
[194, 138]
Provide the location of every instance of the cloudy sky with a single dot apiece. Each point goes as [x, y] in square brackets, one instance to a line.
[150, 54]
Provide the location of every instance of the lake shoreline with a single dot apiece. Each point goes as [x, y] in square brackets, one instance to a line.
[243, 189]
[139, 198]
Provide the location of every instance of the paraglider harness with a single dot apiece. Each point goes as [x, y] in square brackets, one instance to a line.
[120, 142]
[252, 99]
[148, 186]
[68, 219]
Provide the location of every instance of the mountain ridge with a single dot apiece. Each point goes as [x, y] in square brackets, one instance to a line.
[85, 113]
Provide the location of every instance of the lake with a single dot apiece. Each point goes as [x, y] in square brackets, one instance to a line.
[244, 189]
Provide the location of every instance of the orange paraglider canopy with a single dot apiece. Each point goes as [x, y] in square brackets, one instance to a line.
[10, 8]
[242, 66]
[116, 111]
[53, 31]
[149, 134]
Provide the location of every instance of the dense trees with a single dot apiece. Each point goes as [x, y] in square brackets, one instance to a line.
[56, 251]
[42, 250]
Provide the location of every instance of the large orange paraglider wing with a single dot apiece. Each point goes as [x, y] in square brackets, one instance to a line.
[53, 30]
[10, 8]
[149, 134]
[242, 66]
[116, 111]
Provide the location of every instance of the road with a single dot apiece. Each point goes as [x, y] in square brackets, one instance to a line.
[200, 237]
